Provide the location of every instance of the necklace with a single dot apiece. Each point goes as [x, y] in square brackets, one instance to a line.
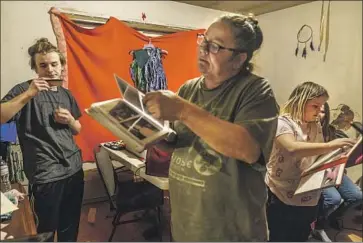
[307, 130]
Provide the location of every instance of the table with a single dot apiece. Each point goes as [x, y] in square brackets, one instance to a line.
[134, 163]
[22, 223]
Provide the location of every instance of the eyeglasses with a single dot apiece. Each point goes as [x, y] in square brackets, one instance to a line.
[211, 46]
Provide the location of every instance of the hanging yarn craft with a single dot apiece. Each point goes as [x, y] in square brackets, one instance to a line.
[304, 35]
[324, 28]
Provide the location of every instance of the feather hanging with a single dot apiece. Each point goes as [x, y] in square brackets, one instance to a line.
[327, 32]
[297, 50]
[304, 53]
[312, 46]
[322, 25]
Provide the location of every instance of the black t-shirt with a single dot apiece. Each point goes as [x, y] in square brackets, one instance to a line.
[49, 151]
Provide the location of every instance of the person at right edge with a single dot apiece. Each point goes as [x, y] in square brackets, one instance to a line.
[334, 200]
[299, 140]
[225, 122]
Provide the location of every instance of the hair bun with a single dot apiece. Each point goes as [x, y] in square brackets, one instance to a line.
[252, 20]
[39, 44]
[45, 40]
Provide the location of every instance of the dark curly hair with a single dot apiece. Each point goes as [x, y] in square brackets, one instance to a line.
[345, 114]
[43, 46]
[328, 130]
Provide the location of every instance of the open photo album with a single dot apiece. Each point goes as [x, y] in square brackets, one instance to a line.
[128, 119]
[328, 169]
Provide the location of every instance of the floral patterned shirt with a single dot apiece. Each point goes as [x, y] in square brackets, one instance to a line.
[284, 171]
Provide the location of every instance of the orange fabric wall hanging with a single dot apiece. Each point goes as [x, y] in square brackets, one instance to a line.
[94, 55]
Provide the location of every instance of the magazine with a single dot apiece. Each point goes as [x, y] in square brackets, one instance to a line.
[328, 169]
[128, 119]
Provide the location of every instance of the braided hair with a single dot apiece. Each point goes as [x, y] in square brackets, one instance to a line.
[247, 33]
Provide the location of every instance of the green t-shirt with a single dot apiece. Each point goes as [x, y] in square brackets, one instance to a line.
[214, 197]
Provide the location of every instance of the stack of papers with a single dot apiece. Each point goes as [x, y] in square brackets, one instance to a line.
[6, 205]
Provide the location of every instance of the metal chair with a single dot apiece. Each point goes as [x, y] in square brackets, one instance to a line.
[125, 195]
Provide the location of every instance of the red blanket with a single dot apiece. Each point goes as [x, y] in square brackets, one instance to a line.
[94, 55]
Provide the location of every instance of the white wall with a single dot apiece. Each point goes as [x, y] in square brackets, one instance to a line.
[341, 74]
[24, 21]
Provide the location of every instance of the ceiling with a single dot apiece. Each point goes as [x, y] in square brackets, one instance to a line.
[245, 7]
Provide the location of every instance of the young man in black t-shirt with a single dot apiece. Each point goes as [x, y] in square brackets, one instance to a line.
[47, 116]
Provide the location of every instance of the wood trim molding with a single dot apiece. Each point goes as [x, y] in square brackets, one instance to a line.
[84, 19]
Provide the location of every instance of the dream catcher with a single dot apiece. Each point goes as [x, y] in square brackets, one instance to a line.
[304, 35]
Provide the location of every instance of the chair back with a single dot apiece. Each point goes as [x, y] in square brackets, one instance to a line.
[107, 173]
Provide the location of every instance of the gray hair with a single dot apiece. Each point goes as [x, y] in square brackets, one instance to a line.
[248, 35]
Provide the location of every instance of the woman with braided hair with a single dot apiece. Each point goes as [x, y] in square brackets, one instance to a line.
[225, 122]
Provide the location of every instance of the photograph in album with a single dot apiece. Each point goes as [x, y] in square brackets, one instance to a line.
[347, 156]
[328, 169]
[128, 119]
[321, 179]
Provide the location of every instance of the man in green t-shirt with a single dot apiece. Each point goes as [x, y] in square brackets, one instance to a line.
[226, 122]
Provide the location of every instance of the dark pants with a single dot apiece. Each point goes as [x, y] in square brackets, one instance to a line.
[320, 217]
[288, 223]
[57, 206]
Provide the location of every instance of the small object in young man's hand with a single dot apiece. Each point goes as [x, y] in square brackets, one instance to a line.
[54, 82]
